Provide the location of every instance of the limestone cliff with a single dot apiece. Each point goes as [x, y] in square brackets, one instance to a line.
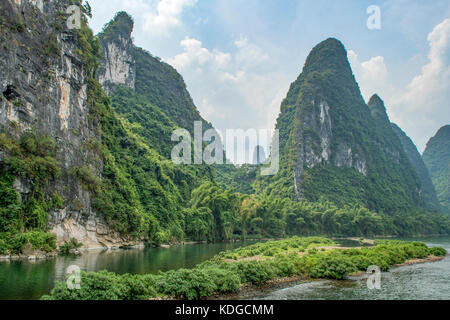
[119, 63]
[44, 86]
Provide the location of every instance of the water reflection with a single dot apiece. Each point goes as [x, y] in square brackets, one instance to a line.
[31, 280]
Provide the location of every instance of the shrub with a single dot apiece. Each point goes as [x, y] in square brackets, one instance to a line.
[438, 252]
[18, 27]
[88, 179]
[187, 284]
[288, 265]
[137, 287]
[101, 285]
[330, 266]
[225, 280]
[3, 247]
[70, 245]
[37, 239]
[255, 272]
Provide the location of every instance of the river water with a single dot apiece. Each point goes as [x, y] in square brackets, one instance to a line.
[23, 280]
[427, 281]
[28, 281]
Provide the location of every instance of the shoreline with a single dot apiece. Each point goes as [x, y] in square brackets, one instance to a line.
[251, 291]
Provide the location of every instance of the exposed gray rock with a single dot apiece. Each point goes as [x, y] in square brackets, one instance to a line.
[119, 64]
[314, 137]
[43, 86]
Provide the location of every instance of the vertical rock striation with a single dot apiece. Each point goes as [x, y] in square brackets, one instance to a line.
[44, 88]
[119, 64]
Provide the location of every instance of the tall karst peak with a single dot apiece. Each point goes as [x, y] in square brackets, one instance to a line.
[329, 58]
[332, 146]
[121, 25]
[328, 54]
[119, 63]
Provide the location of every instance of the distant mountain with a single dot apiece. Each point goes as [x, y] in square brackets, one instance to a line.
[336, 147]
[428, 191]
[437, 159]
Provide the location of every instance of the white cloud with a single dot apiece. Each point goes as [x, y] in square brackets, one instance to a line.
[241, 42]
[195, 55]
[372, 75]
[421, 107]
[166, 16]
[425, 101]
[434, 79]
[240, 89]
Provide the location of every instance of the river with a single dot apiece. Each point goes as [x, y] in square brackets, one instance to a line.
[24, 280]
[30, 280]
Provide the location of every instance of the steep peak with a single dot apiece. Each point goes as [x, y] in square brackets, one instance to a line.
[444, 131]
[329, 54]
[378, 109]
[121, 25]
[119, 63]
[441, 138]
[376, 100]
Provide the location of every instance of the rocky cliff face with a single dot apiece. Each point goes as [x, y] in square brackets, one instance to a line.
[334, 145]
[427, 188]
[437, 160]
[119, 63]
[155, 81]
[44, 88]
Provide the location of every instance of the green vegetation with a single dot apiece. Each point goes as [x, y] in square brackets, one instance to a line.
[428, 190]
[15, 243]
[29, 161]
[256, 264]
[67, 247]
[237, 178]
[143, 195]
[390, 183]
[121, 25]
[437, 159]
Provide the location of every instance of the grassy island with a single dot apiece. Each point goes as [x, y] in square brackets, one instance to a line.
[229, 271]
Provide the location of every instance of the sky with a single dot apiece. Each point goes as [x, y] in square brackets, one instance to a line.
[238, 57]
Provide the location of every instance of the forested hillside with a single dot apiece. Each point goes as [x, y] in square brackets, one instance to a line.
[428, 191]
[437, 159]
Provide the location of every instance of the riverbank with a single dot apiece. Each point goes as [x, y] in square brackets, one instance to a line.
[249, 291]
[236, 272]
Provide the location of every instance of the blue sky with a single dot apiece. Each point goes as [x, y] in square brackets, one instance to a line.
[238, 57]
